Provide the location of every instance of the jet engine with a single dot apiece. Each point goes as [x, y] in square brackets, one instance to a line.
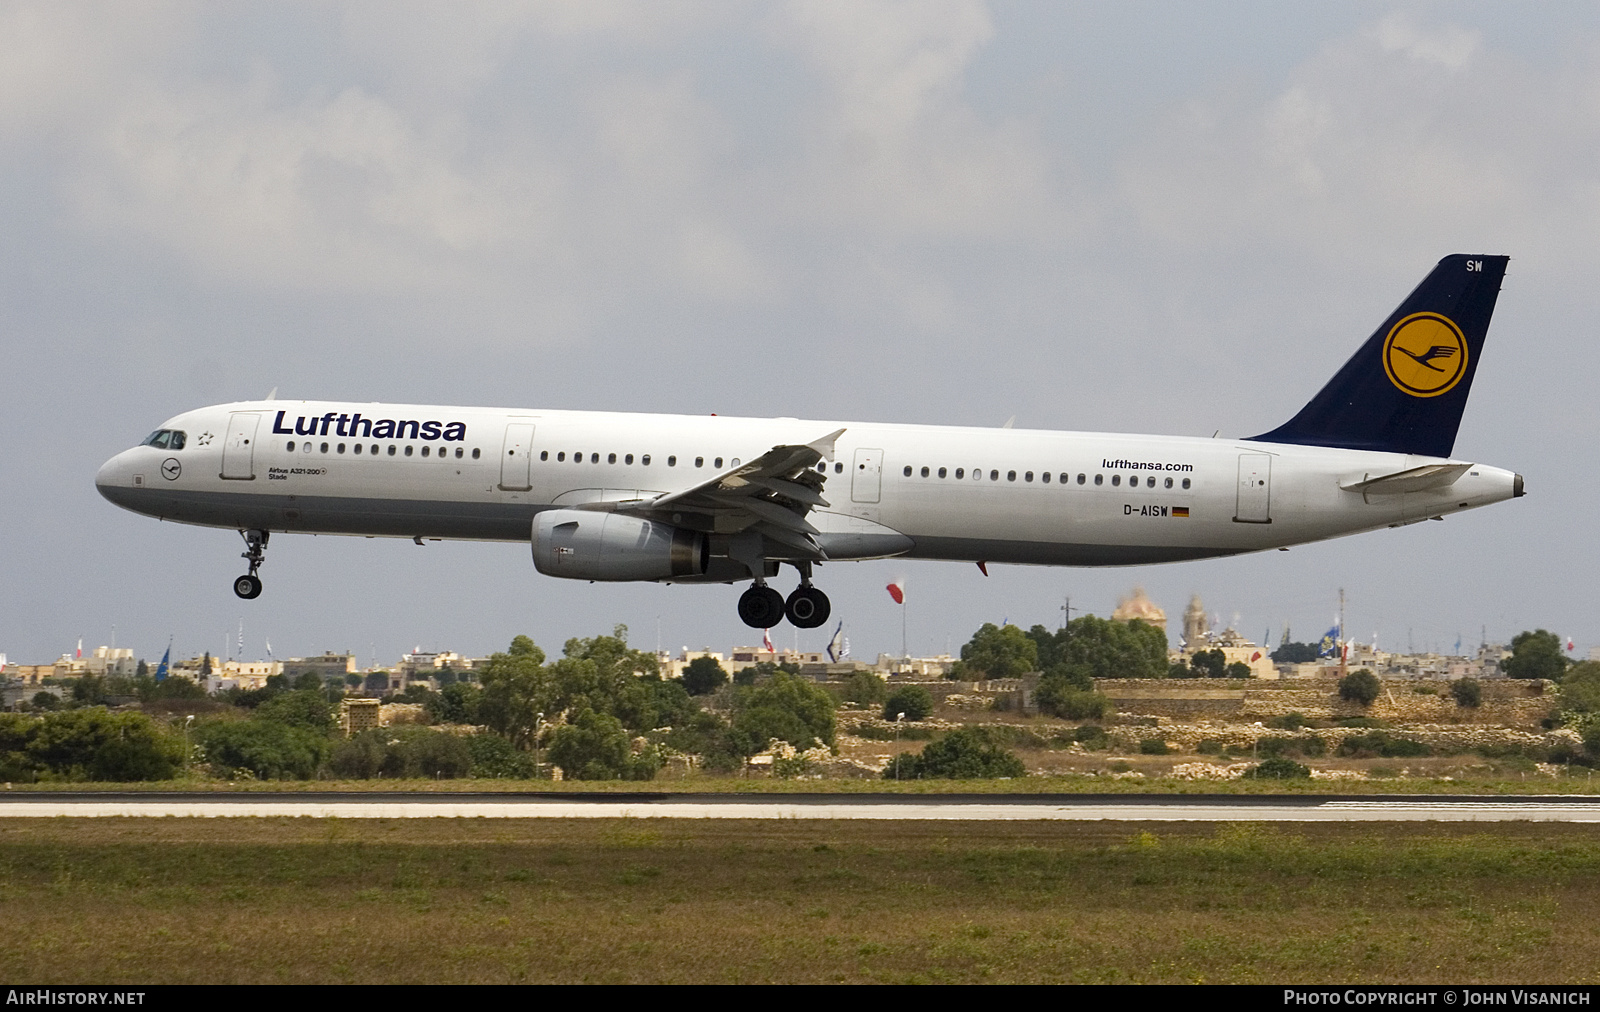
[591, 545]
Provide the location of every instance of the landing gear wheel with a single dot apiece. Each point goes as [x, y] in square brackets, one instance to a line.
[761, 607]
[807, 607]
[248, 587]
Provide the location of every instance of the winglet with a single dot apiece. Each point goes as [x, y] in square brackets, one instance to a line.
[824, 445]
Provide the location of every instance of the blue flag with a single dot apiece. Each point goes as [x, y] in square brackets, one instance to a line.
[836, 648]
[1330, 643]
[161, 669]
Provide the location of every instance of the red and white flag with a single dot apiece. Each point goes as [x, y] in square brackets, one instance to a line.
[766, 640]
[1569, 643]
[80, 648]
[897, 590]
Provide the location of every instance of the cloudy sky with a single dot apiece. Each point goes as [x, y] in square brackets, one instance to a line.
[1155, 217]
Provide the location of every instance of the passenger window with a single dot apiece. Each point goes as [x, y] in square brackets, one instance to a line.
[176, 441]
[1011, 476]
[699, 462]
[1186, 483]
[1099, 479]
[1169, 483]
[341, 447]
[324, 447]
[562, 456]
[717, 463]
[424, 449]
[611, 458]
[941, 472]
[291, 445]
[458, 453]
[924, 472]
[961, 472]
[356, 448]
[408, 451]
[1116, 479]
[994, 475]
[594, 458]
[1150, 482]
[908, 471]
[645, 460]
[305, 447]
[628, 459]
[1045, 477]
[474, 453]
[1065, 476]
[672, 460]
[391, 450]
[838, 468]
[544, 454]
[736, 462]
[1028, 476]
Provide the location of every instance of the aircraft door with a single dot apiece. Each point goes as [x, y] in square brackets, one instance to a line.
[516, 458]
[1255, 489]
[866, 479]
[239, 449]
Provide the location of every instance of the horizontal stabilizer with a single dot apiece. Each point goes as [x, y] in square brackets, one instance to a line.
[1415, 479]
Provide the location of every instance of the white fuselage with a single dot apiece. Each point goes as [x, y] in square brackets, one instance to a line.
[937, 492]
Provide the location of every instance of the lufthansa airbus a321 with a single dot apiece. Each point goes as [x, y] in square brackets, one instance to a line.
[687, 499]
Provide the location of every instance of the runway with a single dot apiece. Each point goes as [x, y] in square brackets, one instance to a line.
[947, 807]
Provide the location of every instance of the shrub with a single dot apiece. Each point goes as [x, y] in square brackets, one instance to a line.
[1468, 692]
[1310, 746]
[1210, 746]
[1153, 746]
[495, 758]
[1092, 736]
[303, 708]
[95, 744]
[1060, 699]
[1294, 720]
[1278, 769]
[1380, 743]
[912, 700]
[1361, 687]
[968, 754]
[267, 749]
[402, 753]
[1238, 669]
[865, 687]
[787, 707]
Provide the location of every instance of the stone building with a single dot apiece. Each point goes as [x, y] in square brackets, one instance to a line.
[1140, 607]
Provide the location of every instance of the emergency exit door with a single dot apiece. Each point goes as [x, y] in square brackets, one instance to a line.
[866, 478]
[516, 458]
[239, 449]
[1255, 489]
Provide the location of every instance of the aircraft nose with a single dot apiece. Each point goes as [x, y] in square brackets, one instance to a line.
[113, 474]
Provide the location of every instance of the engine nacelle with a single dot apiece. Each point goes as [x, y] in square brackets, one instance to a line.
[590, 545]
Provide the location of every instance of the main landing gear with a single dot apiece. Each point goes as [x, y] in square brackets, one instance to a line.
[248, 586]
[761, 607]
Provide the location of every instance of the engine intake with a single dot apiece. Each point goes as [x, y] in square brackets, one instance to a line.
[586, 545]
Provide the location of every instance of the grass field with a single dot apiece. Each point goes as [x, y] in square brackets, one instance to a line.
[440, 901]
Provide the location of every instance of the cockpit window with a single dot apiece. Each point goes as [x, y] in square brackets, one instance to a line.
[165, 439]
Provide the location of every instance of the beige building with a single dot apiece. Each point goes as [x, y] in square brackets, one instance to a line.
[1140, 607]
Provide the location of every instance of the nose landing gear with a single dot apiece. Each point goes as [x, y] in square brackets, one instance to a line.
[249, 585]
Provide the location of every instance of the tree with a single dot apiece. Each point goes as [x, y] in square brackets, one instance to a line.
[308, 680]
[1468, 692]
[596, 747]
[1209, 664]
[789, 708]
[455, 704]
[1099, 648]
[1580, 688]
[493, 757]
[1535, 654]
[401, 753]
[1238, 669]
[1295, 653]
[998, 652]
[912, 700]
[142, 671]
[514, 691]
[970, 753]
[1360, 687]
[46, 701]
[704, 675]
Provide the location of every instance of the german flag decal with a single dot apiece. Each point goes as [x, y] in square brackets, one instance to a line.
[1180, 511]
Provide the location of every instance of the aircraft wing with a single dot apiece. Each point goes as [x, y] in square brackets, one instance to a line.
[769, 495]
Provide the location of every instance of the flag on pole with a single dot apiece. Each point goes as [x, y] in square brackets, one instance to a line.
[897, 590]
[1569, 643]
[80, 648]
[269, 650]
[836, 647]
[766, 640]
[1329, 644]
[2, 664]
[161, 669]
